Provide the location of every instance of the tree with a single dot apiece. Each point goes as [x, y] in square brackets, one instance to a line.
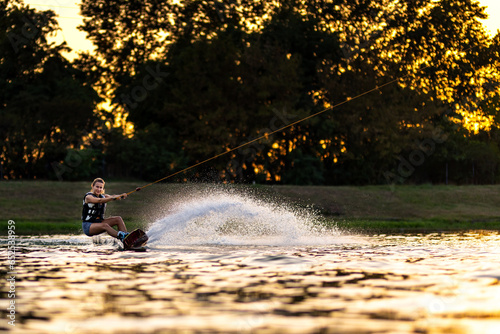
[151, 154]
[45, 104]
[435, 55]
[233, 66]
[227, 84]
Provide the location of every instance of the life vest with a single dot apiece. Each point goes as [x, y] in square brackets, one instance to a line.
[93, 212]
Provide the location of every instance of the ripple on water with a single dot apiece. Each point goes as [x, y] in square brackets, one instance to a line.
[386, 284]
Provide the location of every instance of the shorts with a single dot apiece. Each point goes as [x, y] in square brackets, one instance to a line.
[86, 228]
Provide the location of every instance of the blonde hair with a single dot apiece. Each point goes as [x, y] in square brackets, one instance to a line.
[97, 180]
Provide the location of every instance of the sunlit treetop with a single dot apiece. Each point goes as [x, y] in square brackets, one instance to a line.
[436, 47]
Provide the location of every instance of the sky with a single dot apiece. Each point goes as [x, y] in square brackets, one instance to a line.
[69, 18]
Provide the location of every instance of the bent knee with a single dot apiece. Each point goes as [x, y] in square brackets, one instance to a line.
[118, 219]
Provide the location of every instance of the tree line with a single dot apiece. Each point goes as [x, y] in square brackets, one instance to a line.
[337, 92]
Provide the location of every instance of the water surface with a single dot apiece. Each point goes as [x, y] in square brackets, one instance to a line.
[233, 265]
[438, 283]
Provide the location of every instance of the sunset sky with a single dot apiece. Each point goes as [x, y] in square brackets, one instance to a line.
[69, 19]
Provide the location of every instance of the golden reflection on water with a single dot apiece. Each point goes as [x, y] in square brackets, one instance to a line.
[427, 283]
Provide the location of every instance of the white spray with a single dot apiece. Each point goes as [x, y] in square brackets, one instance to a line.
[226, 218]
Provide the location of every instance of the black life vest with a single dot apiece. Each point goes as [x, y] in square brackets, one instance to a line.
[93, 212]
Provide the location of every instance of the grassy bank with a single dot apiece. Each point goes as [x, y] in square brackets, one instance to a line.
[44, 207]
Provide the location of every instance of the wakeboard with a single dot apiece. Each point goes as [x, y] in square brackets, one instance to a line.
[136, 249]
[135, 241]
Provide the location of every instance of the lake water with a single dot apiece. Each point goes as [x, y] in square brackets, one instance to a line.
[231, 264]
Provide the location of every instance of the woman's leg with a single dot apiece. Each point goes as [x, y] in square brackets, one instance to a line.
[116, 221]
[107, 226]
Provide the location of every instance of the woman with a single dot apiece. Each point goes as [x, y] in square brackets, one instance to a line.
[94, 205]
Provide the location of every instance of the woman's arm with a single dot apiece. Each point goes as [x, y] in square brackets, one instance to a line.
[106, 199]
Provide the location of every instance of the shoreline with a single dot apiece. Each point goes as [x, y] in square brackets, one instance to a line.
[363, 209]
[24, 227]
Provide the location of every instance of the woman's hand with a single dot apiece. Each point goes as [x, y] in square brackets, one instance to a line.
[119, 197]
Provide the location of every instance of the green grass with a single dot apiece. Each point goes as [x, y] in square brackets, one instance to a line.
[442, 203]
[51, 227]
[411, 226]
[41, 228]
[46, 207]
